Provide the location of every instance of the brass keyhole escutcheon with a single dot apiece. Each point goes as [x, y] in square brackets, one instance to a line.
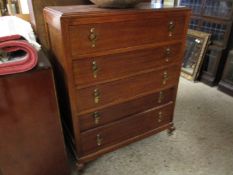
[96, 96]
[96, 117]
[165, 77]
[95, 69]
[161, 97]
[171, 27]
[160, 116]
[93, 37]
[99, 140]
[167, 53]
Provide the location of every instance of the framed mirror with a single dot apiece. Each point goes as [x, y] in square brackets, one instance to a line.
[196, 46]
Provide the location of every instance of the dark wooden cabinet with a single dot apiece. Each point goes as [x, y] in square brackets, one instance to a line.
[213, 17]
[36, 15]
[30, 128]
[121, 69]
[226, 83]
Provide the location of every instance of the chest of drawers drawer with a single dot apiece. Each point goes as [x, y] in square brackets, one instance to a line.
[97, 69]
[107, 135]
[98, 96]
[110, 114]
[99, 37]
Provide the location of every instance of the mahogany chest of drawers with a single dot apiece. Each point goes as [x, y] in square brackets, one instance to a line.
[121, 69]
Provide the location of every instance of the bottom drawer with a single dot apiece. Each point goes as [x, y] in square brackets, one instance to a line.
[102, 137]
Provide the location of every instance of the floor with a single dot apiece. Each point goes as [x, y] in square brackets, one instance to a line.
[201, 145]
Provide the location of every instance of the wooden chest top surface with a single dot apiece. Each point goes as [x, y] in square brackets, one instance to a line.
[93, 9]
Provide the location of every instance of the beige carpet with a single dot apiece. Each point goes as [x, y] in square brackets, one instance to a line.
[201, 145]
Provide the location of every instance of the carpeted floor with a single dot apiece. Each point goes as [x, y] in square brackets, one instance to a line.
[201, 145]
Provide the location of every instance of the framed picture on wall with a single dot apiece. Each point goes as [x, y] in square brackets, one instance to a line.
[196, 46]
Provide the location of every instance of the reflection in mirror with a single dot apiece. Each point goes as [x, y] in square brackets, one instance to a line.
[196, 45]
[191, 54]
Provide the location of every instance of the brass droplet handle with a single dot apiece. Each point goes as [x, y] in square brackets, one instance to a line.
[171, 27]
[167, 53]
[161, 97]
[165, 77]
[99, 140]
[96, 116]
[160, 116]
[96, 96]
[95, 69]
[93, 37]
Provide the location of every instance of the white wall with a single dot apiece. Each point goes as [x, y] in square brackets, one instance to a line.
[24, 6]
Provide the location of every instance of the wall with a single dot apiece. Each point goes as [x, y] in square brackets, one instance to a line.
[24, 6]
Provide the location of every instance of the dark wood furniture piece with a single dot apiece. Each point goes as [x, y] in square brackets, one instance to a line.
[226, 83]
[32, 142]
[121, 68]
[36, 15]
[215, 17]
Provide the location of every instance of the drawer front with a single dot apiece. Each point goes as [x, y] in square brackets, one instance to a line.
[122, 90]
[119, 65]
[116, 112]
[98, 37]
[121, 130]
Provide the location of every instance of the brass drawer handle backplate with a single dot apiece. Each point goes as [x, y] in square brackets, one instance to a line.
[165, 77]
[171, 27]
[99, 140]
[167, 53]
[96, 117]
[93, 37]
[160, 118]
[161, 97]
[96, 96]
[95, 69]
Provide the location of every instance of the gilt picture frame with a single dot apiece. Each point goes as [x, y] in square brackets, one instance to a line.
[196, 46]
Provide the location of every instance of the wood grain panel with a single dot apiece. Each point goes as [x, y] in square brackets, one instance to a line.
[126, 128]
[120, 91]
[123, 110]
[124, 34]
[118, 65]
[30, 128]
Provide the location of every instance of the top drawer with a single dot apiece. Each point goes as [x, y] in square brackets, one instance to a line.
[99, 37]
